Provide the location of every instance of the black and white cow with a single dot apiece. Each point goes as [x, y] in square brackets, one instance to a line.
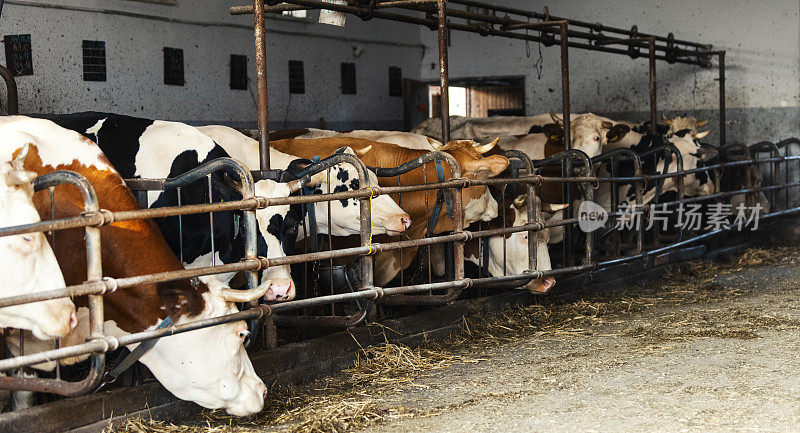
[143, 148]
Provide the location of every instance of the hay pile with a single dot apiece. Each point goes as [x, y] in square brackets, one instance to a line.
[353, 399]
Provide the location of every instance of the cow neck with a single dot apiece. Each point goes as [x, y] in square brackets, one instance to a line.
[129, 248]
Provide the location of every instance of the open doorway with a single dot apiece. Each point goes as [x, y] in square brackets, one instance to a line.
[469, 97]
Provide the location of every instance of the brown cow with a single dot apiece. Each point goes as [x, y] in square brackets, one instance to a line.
[477, 200]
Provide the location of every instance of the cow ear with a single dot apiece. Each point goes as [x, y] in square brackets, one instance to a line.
[701, 135]
[486, 167]
[708, 152]
[553, 131]
[617, 132]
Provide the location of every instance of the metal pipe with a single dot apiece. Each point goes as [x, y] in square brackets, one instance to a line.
[12, 102]
[565, 86]
[444, 84]
[259, 32]
[653, 93]
[722, 135]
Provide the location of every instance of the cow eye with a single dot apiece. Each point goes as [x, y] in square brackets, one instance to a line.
[596, 138]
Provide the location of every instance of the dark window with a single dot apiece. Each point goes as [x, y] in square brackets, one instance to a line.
[395, 81]
[19, 59]
[297, 79]
[173, 66]
[94, 61]
[238, 72]
[349, 78]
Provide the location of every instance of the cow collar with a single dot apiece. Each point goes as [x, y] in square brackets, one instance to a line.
[126, 362]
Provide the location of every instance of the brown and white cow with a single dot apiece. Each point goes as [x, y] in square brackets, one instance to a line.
[27, 262]
[180, 362]
[477, 200]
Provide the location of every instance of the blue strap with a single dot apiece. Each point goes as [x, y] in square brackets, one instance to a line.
[441, 197]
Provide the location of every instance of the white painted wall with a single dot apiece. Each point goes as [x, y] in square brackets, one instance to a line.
[762, 39]
[208, 35]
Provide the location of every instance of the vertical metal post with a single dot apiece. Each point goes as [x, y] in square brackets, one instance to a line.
[444, 79]
[565, 85]
[722, 98]
[12, 103]
[653, 109]
[261, 83]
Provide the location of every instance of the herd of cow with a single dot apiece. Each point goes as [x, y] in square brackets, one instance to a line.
[107, 148]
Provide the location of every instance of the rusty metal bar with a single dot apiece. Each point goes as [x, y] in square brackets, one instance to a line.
[674, 56]
[444, 78]
[259, 32]
[722, 108]
[565, 103]
[653, 83]
[585, 24]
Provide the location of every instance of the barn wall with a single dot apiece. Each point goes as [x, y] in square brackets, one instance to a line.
[208, 35]
[760, 36]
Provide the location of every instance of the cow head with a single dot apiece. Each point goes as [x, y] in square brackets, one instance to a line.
[27, 262]
[590, 134]
[686, 125]
[479, 205]
[277, 226]
[208, 366]
[344, 214]
[508, 254]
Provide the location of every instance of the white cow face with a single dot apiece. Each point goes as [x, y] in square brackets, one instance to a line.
[276, 227]
[209, 366]
[516, 250]
[27, 262]
[590, 133]
[387, 216]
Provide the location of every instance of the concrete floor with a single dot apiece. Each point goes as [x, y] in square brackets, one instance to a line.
[723, 357]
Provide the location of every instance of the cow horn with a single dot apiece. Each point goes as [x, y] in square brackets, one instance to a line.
[554, 207]
[434, 143]
[297, 184]
[702, 123]
[19, 161]
[233, 295]
[486, 147]
[362, 152]
[700, 135]
[559, 122]
[520, 201]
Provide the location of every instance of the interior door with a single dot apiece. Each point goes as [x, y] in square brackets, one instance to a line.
[415, 102]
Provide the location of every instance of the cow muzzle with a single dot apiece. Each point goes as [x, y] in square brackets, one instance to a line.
[541, 286]
[397, 225]
[280, 290]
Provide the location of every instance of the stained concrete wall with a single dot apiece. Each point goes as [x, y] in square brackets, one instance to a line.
[762, 39]
[135, 33]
